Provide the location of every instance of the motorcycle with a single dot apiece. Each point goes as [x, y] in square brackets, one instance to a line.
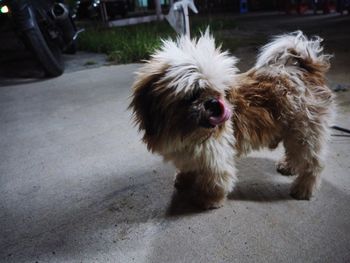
[46, 28]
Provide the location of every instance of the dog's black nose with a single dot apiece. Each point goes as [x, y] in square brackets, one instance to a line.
[214, 107]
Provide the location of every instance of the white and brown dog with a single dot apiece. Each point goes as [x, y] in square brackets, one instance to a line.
[197, 112]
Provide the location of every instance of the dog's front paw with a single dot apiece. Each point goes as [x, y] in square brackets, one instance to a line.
[301, 191]
[284, 168]
[209, 201]
[206, 203]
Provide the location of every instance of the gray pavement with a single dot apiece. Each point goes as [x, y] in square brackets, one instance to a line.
[77, 185]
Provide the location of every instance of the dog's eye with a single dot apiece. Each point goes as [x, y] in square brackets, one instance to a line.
[194, 95]
[293, 62]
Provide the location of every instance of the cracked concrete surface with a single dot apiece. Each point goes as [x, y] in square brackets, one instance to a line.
[77, 185]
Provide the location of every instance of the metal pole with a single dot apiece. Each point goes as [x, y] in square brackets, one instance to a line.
[187, 21]
[158, 9]
[103, 12]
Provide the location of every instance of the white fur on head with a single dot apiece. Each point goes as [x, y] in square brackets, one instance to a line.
[278, 50]
[196, 63]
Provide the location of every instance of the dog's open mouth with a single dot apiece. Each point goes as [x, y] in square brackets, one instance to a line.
[219, 111]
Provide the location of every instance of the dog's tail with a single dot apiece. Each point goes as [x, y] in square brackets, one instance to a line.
[294, 51]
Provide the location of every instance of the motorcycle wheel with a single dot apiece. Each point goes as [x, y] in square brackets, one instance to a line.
[45, 49]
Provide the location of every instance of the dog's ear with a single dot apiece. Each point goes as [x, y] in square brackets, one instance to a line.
[146, 102]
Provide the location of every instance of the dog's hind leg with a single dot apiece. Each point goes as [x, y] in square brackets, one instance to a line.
[283, 167]
[304, 154]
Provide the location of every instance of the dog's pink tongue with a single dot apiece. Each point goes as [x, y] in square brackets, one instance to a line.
[224, 116]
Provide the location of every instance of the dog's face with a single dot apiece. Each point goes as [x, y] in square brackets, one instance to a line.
[164, 113]
[179, 95]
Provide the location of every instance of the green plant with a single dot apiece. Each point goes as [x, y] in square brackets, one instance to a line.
[136, 43]
[90, 63]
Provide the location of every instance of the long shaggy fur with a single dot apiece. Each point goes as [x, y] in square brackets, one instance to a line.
[284, 97]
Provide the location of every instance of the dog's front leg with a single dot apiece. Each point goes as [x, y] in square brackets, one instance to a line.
[184, 180]
[212, 188]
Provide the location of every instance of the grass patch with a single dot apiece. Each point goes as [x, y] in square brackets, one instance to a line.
[135, 43]
[90, 63]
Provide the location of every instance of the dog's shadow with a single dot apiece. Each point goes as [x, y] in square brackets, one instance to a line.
[258, 181]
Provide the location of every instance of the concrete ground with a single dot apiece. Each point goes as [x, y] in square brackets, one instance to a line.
[77, 185]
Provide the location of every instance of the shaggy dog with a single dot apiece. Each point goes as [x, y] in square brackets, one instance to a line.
[197, 112]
